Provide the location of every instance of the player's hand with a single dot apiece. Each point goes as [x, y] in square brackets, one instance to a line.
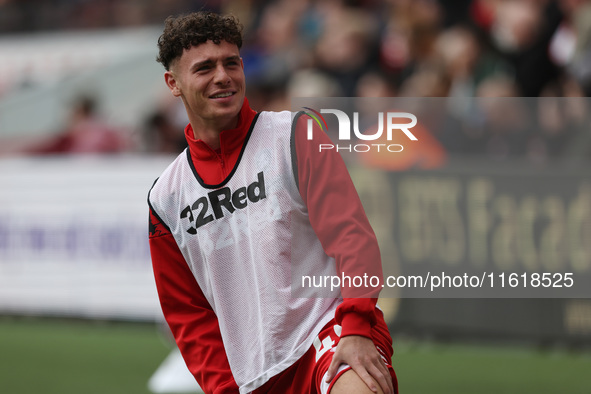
[361, 354]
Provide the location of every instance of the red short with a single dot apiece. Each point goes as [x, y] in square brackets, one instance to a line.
[307, 375]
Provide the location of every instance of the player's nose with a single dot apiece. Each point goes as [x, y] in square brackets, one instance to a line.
[221, 75]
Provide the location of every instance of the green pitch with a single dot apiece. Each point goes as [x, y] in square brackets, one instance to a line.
[50, 357]
[47, 357]
[461, 369]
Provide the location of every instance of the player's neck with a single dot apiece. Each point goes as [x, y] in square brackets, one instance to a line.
[209, 132]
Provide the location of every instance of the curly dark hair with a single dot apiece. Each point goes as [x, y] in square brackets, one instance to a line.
[193, 29]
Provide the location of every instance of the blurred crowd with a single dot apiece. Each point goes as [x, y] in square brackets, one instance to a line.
[381, 48]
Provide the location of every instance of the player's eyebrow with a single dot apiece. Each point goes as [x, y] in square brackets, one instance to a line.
[209, 62]
[233, 58]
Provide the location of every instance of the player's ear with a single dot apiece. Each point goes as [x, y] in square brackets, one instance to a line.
[172, 83]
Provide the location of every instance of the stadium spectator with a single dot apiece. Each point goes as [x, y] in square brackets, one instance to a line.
[162, 135]
[85, 133]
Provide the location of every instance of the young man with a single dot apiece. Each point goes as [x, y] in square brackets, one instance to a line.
[246, 204]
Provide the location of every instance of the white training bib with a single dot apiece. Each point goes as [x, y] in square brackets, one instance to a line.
[242, 240]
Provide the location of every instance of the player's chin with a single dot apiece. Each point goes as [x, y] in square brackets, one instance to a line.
[226, 111]
[229, 106]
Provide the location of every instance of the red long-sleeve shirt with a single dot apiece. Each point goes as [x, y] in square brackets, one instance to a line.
[335, 213]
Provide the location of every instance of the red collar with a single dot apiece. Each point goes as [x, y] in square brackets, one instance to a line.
[230, 140]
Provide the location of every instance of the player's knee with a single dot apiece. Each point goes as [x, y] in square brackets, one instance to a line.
[350, 383]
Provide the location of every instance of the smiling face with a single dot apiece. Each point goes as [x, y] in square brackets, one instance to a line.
[209, 78]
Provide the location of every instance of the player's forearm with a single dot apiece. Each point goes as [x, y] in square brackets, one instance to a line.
[339, 220]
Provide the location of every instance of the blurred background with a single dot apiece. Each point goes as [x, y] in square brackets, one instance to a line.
[87, 124]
